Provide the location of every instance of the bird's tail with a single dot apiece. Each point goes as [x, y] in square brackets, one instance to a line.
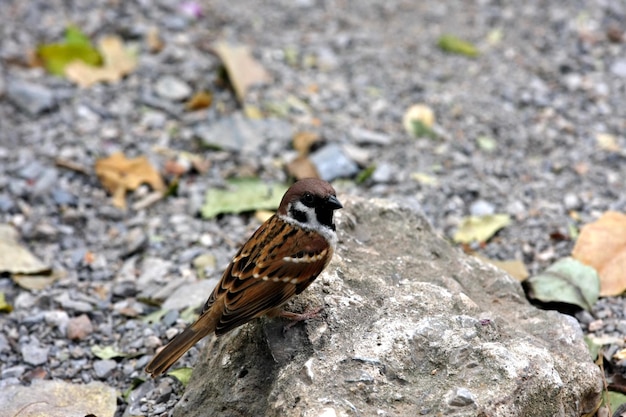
[179, 345]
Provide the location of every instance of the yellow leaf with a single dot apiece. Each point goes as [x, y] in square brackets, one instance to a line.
[515, 268]
[480, 228]
[602, 245]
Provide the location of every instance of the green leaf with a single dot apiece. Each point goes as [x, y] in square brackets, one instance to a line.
[134, 384]
[73, 35]
[365, 174]
[182, 374]
[614, 399]
[107, 352]
[76, 46]
[594, 348]
[480, 228]
[566, 281]
[155, 316]
[454, 45]
[242, 195]
[4, 306]
[421, 130]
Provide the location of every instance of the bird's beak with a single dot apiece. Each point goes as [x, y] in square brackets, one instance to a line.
[333, 203]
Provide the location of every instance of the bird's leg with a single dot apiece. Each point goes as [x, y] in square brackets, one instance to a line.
[298, 317]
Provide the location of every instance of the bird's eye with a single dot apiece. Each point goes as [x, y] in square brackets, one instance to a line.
[307, 198]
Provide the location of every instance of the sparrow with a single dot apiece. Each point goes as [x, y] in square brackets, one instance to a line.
[281, 259]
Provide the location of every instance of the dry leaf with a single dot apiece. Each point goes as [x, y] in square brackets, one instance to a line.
[302, 167]
[602, 245]
[154, 41]
[480, 228]
[119, 174]
[515, 268]
[118, 62]
[243, 70]
[304, 141]
[16, 259]
[200, 100]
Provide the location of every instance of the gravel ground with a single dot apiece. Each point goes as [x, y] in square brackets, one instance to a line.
[551, 77]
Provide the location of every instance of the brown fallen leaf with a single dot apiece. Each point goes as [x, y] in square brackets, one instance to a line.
[602, 245]
[304, 141]
[302, 167]
[118, 62]
[243, 70]
[200, 100]
[154, 41]
[119, 174]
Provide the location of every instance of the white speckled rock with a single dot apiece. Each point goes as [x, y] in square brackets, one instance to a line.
[410, 327]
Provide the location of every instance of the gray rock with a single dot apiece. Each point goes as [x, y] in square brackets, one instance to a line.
[31, 98]
[104, 367]
[13, 372]
[190, 295]
[331, 162]
[68, 303]
[384, 173]
[619, 68]
[34, 354]
[481, 208]
[571, 201]
[369, 137]
[4, 344]
[172, 88]
[407, 328]
[58, 319]
[248, 136]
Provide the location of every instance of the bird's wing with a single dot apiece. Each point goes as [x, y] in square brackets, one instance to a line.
[279, 261]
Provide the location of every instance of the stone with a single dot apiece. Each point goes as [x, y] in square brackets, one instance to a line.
[481, 208]
[31, 98]
[104, 367]
[190, 294]
[331, 162]
[58, 399]
[59, 319]
[79, 327]
[172, 88]
[237, 133]
[34, 354]
[410, 328]
[619, 68]
[369, 137]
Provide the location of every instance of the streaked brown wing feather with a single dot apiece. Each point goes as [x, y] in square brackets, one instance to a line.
[246, 294]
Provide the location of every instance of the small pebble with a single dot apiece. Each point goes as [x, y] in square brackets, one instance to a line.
[34, 354]
[571, 201]
[619, 68]
[31, 98]
[79, 327]
[104, 367]
[58, 319]
[331, 162]
[172, 88]
[595, 325]
[481, 208]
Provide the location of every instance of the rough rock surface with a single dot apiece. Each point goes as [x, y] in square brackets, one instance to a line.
[410, 327]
